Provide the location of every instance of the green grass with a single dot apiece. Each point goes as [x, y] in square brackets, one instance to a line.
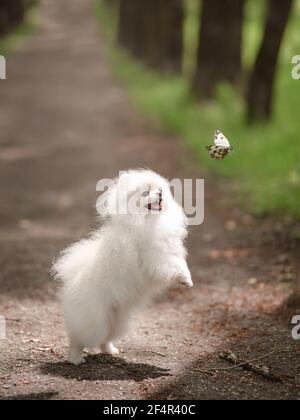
[265, 169]
[18, 35]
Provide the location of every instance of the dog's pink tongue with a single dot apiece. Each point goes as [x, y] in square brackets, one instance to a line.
[155, 206]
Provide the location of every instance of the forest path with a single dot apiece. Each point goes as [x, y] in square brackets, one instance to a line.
[65, 124]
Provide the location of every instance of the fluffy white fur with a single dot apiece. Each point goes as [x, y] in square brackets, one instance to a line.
[123, 264]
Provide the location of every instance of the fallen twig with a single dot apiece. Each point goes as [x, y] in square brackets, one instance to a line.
[158, 353]
[250, 365]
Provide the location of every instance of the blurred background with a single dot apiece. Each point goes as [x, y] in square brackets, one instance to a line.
[225, 65]
[98, 86]
[15, 20]
[195, 66]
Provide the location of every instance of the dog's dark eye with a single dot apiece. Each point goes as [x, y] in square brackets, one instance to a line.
[145, 193]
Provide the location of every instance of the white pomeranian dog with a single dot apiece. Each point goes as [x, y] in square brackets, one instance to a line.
[134, 255]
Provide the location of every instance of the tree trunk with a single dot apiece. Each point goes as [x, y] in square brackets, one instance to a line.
[111, 3]
[129, 24]
[153, 31]
[261, 82]
[4, 20]
[11, 14]
[16, 11]
[220, 48]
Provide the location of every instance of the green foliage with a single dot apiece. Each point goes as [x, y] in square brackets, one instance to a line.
[265, 168]
[13, 39]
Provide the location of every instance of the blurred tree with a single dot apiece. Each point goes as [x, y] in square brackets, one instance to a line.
[4, 22]
[111, 3]
[220, 48]
[16, 11]
[12, 13]
[129, 25]
[261, 82]
[153, 31]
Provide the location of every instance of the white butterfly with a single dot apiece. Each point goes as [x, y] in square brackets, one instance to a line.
[221, 147]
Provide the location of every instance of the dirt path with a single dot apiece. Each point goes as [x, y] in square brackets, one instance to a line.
[65, 123]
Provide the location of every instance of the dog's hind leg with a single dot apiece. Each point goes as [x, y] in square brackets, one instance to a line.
[118, 327]
[75, 354]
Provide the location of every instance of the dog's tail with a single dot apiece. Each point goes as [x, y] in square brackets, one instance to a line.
[74, 259]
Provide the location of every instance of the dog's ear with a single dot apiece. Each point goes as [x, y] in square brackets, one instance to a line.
[113, 199]
[123, 180]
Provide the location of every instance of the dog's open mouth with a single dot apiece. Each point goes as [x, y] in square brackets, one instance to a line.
[157, 205]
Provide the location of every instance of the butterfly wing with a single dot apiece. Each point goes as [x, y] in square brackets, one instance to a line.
[221, 146]
[221, 140]
[217, 152]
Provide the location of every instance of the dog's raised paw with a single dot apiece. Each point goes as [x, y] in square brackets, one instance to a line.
[186, 283]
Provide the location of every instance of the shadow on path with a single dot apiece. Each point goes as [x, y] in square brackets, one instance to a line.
[254, 335]
[105, 368]
[33, 396]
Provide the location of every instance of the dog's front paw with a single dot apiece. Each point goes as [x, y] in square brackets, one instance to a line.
[110, 349]
[186, 282]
